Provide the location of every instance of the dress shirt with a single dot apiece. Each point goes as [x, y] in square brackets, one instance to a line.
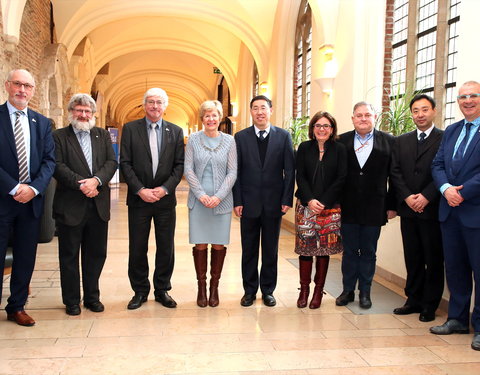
[26, 136]
[257, 131]
[427, 132]
[363, 147]
[474, 128]
[89, 141]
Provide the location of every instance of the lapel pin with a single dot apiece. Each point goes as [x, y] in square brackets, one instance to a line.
[33, 120]
[167, 129]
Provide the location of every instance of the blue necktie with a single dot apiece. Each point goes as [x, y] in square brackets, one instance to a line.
[457, 160]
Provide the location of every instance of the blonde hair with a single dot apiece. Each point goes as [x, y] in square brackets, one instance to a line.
[210, 105]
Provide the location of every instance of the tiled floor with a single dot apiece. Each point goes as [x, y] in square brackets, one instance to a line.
[228, 339]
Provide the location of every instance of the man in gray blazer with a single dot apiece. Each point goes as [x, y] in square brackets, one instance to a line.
[262, 193]
[151, 159]
[85, 165]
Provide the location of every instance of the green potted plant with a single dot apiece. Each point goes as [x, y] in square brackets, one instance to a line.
[298, 128]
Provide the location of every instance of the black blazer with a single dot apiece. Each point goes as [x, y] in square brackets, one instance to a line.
[42, 159]
[70, 204]
[364, 199]
[136, 162]
[411, 172]
[326, 183]
[266, 187]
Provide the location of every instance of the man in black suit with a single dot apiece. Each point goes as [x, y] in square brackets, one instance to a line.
[151, 159]
[418, 208]
[364, 202]
[27, 162]
[262, 193]
[85, 165]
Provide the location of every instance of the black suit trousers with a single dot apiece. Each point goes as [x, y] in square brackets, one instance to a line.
[422, 245]
[89, 237]
[266, 229]
[24, 228]
[139, 224]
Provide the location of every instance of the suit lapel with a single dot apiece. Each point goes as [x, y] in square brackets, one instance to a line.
[472, 145]
[95, 139]
[166, 137]
[73, 141]
[33, 125]
[270, 145]
[429, 142]
[7, 128]
[143, 135]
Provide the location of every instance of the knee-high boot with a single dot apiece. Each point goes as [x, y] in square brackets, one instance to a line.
[216, 266]
[321, 266]
[200, 261]
[305, 268]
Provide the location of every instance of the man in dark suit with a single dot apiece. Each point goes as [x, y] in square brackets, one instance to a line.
[81, 207]
[364, 202]
[27, 162]
[417, 202]
[262, 193]
[151, 159]
[456, 172]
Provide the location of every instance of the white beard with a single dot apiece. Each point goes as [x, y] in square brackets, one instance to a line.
[82, 125]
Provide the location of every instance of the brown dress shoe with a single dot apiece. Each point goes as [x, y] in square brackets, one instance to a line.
[21, 318]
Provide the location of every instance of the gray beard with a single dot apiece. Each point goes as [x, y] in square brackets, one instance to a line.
[82, 125]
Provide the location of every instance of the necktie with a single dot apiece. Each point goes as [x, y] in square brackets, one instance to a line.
[458, 157]
[261, 134]
[86, 148]
[21, 150]
[152, 138]
[422, 137]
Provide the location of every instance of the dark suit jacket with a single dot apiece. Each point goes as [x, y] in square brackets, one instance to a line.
[266, 187]
[326, 183]
[136, 161]
[70, 204]
[469, 176]
[364, 198]
[411, 172]
[42, 158]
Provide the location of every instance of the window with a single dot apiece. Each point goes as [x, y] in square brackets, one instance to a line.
[303, 62]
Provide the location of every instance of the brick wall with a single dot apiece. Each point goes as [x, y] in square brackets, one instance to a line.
[387, 67]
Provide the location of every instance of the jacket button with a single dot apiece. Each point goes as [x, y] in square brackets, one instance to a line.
[361, 173]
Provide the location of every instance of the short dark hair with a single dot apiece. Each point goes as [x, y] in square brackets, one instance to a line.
[418, 97]
[317, 116]
[261, 97]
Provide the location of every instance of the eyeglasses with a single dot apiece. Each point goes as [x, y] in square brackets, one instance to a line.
[465, 97]
[88, 112]
[160, 103]
[322, 126]
[18, 85]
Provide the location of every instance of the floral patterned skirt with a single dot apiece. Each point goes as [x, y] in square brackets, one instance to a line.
[317, 235]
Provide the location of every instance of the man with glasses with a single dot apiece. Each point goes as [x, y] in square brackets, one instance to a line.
[27, 162]
[364, 203]
[456, 172]
[151, 159]
[85, 165]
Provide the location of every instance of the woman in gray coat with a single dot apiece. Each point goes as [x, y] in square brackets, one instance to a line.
[211, 171]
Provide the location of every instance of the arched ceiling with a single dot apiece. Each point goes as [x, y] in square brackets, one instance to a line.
[163, 43]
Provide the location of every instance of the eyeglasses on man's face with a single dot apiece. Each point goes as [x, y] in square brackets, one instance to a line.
[159, 103]
[465, 97]
[88, 112]
[18, 85]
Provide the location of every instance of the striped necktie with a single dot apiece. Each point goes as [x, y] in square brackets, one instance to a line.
[86, 148]
[21, 150]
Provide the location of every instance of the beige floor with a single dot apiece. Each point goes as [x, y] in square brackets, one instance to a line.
[228, 339]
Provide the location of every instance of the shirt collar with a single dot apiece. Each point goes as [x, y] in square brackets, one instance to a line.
[150, 122]
[257, 130]
[12, 109]
[427, 132]
[475, 122]
[76, 131]
[367, 136]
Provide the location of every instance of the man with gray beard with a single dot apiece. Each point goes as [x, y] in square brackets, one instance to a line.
[81, 207]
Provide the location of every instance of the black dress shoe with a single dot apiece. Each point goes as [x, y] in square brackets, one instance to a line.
[165, 300]
[426, 316]
[344, 298]
[247, 300]
[449, 327]
[269, 300]
[72, 309]
[406, 310]
[136, 301]
[365, 301]
[476, 341]
[96, 306]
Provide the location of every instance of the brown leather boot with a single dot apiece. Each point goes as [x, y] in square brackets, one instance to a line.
[321, 266]
[305, 268]
[216, 266]
[200, 261]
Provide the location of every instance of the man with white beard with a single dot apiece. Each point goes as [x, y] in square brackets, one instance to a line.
[85, 164]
